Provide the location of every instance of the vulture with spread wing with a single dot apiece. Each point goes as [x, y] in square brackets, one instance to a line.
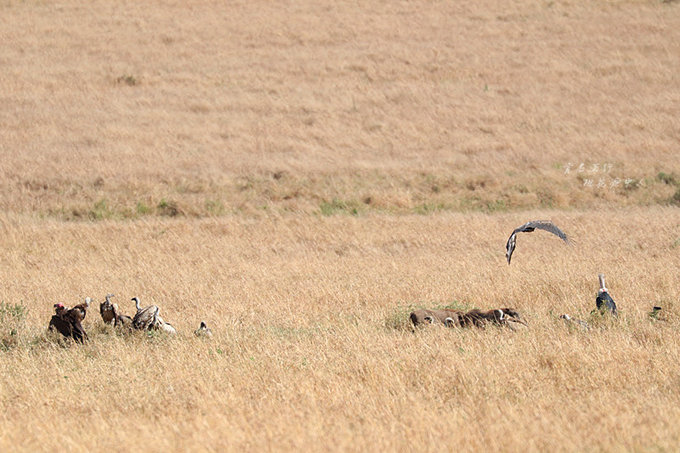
[148, 319]
[68, 322]
[145, 318]
[528, 227]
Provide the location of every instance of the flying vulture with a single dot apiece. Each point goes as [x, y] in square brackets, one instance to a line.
[528, 227]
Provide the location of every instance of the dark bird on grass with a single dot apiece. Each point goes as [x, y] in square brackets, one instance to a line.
[107, 311]
[604, 301]
[654, 314]
[528, 227]
[111, 314]
[82, 308]
[203, 331]
[68, 322]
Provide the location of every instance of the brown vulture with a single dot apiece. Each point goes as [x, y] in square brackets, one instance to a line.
[68, 322]
[111, 314]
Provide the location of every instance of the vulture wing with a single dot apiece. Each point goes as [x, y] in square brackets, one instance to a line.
[528, 227]
[145, 318]
[61, 325]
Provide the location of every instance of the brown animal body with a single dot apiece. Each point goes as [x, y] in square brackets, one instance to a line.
[122, 320]
[499, 316]
[446, 316]
[473, 318]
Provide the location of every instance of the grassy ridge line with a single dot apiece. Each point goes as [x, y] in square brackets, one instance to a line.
[282, 193]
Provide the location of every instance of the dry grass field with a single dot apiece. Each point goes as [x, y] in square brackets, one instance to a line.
[300, 175]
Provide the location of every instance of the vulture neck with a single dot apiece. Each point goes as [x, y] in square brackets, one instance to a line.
[603, 289]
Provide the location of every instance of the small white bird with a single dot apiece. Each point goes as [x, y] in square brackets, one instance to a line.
[575, 322]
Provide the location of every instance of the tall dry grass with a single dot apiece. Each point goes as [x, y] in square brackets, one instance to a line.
[307, 353]
[300, 175]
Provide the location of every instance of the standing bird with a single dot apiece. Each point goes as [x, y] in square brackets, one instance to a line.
[110, 313]
[528, 227]
[203, 331]
[82, 308]
[604, 301]
[59, 323]
[107, 311]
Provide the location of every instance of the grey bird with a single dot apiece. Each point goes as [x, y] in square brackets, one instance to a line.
[575, 322]
[145, 318]
[203, 331]
[528, 227]
[148, 319]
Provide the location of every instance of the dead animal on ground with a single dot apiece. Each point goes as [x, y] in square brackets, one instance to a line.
[656, 314]
[446, 316]
[501, 316]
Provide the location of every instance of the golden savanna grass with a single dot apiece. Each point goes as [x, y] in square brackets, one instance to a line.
[300, 176]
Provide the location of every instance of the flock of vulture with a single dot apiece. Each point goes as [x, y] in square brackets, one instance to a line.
[68, 321]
